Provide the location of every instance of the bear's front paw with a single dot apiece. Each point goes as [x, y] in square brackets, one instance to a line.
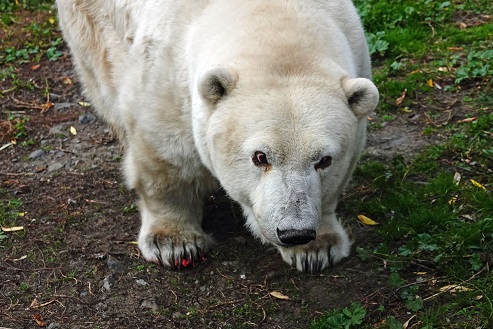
[325, 251]
[176, 251]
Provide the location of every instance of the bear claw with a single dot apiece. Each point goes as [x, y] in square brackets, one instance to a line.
[175, 252]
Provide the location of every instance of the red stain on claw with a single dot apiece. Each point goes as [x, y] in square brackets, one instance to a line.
[188, 263]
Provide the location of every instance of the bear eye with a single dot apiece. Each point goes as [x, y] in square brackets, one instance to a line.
[324, 162]
[260, 159]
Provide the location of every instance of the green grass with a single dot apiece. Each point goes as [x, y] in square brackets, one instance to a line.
[435, 209]
[10, 213]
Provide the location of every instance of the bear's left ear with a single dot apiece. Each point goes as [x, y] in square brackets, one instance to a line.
[362, 95]
[216, 83]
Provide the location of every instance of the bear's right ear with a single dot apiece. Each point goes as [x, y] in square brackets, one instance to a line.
[216, 83]
[362, 95]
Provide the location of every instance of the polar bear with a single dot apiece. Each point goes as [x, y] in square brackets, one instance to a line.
[269, 99]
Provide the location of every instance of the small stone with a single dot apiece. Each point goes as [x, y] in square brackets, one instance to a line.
[87, 118]
[58, 129]
[54, 97]
[176, 315]
[36, 154]
[141, 282]
[83, 294]
[101, 307]
[149, 303]
[62, 106]
[108, 282]
[53, 325]
[115, 265]
[55, 166]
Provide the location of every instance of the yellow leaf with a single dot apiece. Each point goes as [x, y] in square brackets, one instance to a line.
[279, 295]
[477, 184]
[367, 221]
[430, 83]
[73, 131]
[51, 20]
[21, 214]
[12, 229]
[420, 273]
[453, 200]
[84, 104]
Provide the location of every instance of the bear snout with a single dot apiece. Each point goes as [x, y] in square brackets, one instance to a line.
[296, 237]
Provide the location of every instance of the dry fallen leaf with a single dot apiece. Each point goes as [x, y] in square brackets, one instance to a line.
[430, 83]
[467, 120]
[39, 320]
[67, 81]
[279, 295]
[73, 131]
[12, 229]
[367, 221]
[84, 104]
[456, 48]
[399, 100]
[35, 67]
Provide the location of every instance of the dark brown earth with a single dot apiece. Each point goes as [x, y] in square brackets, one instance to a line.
[76, 265]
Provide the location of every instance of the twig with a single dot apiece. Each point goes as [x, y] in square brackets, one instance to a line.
[17, 174]
[228, 303]
[47, 303]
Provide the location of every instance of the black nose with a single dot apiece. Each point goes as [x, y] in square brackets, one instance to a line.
[296, 237]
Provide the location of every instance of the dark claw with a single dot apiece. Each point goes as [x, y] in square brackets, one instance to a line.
[159, 252]
[331, 260]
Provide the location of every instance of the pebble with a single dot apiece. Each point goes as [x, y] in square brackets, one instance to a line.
[115, 265]
[108, 282]
[54, 97]
[149, 303]
[55, 166]
[141, 282]
[53, 325]
[36, 154]
[87, 117]
[58, 129]
[62, 106]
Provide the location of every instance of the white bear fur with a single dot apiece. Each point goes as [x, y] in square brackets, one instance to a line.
[194, 88]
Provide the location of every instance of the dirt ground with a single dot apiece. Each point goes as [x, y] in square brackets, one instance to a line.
[76, 264]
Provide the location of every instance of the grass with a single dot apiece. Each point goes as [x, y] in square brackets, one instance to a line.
[435, 209]
[10, 212]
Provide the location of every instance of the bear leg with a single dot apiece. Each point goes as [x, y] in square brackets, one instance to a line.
[171, 206]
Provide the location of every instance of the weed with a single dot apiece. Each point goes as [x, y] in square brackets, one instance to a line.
[130, 209]
[349, 317]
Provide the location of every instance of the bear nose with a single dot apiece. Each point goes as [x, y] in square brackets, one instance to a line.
[296, 237]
